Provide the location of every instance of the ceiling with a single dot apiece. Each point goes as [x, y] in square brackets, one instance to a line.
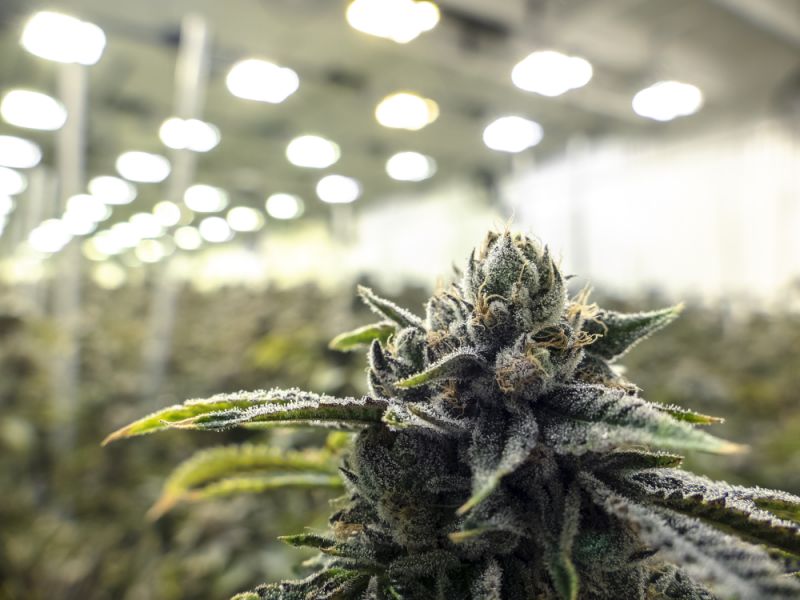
[743, 54]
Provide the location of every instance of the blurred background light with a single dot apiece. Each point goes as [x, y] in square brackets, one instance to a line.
[338, 189]
[109, 275]
[398, 20]
[102, 245]
[150, 251]
[32, 110]
[88, 207]
[410, 166]
[205, 198]
[77, 224]
[215, 230]
[146, 225]
[112, 190]
[187, 238]
[49, 236]
[12, 182]
[284, 206]
[512, 134]
[6, 205]
[312, 151]
[143, 167]
[406, 110]
[62, 38]
[667, 100]
[18, 153]
[551, 73]
[244, 218]
[167, 213]
[125, 234]
[189, 134]
[263, 81]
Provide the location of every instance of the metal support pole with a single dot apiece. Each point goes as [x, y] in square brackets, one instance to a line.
[72, 83]
[191, 79]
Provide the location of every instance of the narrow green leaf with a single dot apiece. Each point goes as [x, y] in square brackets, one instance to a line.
[307, 540]
[246, 596]
[690, 416]
[311, 411]
[164, 418]
[452, 366]
[263, 483]
[363, 336]
[214, 464]
[595, 418]
[636, 459]
[620, 332]
[388, 309]
[563, 574]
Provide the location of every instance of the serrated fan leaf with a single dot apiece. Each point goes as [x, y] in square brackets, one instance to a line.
[595, 418]
[363, 336]
[731, 507]
[498, 448]
[164, 418]
[215, 464]
[388, 309]
[311, 411]
[734, 568]
[452, 366]
[620, 332]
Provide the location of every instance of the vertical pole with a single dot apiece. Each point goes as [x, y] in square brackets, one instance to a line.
[72, 83]
[191, 79]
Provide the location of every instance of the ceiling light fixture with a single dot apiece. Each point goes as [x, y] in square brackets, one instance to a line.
[88, 208]
[215, 230]
[18, 153]
[263, 81]
[410, 166]
[205, 198]
[32, 110]
[398, 20]
[167, 213]
[284, 206]
[551, 73]
[338, 189]
[244, 218]
[12, 182]
[143, 167]
[312, 151]
[188, 238]
[49, 236]
[512, 134]
[406, 110]
[61, 38]
[112, 190]
[667, 100]
[189, 134]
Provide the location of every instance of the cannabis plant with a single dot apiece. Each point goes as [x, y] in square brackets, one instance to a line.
[500, 454]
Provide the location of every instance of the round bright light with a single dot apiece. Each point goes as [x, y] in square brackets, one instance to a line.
[284, 206]
[189, 134]
[78, 225]
[50, 236]
[108, 275]
[167, 213]
[410, 166]
[512, 134]
[146, 225]
[405, 110]
[667, 100]
[104, 244]
[187, 238]
[312, 151]
[215, 230]
[62, 38]
[244, 218]
[112, 190]
[338, 189]
[6, 205]
[551, 73]
[125, 234]
[260, 80]
[143, 167]
[205, 198]
[32, 110]
[18, 153]
[88, 208]
[150, 251]
[398, 20]
[12, 182]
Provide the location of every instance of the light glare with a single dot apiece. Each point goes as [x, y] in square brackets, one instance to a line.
[551, 73]
[146, 225]
[64, 39]
[167, 213]
[244, 218]
[284, 206]
[12, 182]
[406, 110]
[410, 166]
[49, 236]
[88, 208]
[187, 238]
[205, 198]
[338, 189]
[215, 230]
[112, 190]
[33, 110]
[512, 134]
[667, 100]
[312, 151]
[18, 153]
[263, 81]
[143, 167]
[398, 20]
[189, 134]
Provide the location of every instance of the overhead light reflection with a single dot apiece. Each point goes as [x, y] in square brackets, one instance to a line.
[18, 153]
[62, 38]
[263, 81]
[12, 182]
[312, 151]
[668, 100]
[551, 73]
[284, 206]
[410, 166]
[338, 189]
[112, 190]
[512, 134]
[143, 167]
[406, 110]
[398, 20]
[189, 134]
